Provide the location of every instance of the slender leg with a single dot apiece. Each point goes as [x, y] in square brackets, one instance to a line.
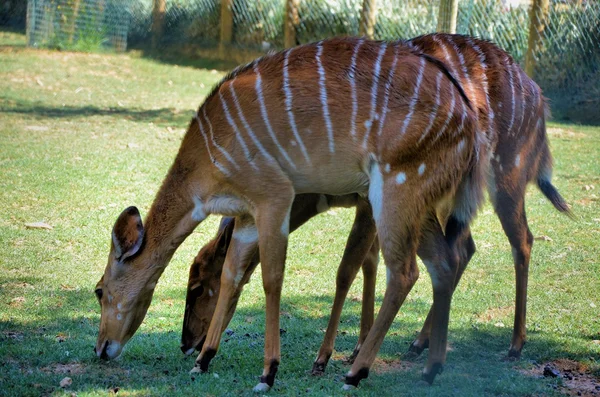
[513, 219]
[441, 265]
[239, 254]
[398, 228]
[273, 230]
[463, 249]
[361, 239]
[367, 317]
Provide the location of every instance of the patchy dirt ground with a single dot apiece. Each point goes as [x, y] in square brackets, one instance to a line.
[577, 379]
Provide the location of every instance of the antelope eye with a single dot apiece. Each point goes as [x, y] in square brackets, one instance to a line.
[98, 293]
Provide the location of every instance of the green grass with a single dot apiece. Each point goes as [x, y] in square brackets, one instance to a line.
[83, 136]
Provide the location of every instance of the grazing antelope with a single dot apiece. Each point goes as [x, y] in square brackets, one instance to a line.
[279, 127]
[526, 142]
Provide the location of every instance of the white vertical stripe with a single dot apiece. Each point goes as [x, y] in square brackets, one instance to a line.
[288, 105]
[236, 130]
[386, 98]
[374, 87]
[518, 71]
[352, 77]
[323, 96]
[533, 111]
[450, 113]
[240, 113]
[463, 66]
[484, 83]
[214, 142]
[512, 96]
[433, 113]
[415, 97]
[265, 116]
[210, 155]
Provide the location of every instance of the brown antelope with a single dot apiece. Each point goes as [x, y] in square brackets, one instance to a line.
[528, 141]
[278, 127]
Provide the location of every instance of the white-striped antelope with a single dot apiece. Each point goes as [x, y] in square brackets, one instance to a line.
[249, 123]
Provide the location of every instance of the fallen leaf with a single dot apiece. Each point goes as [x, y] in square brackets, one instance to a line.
[40, 83]
[588, 187]
[36, 128]
[543, 238]
[66, 382]
[132, 145]
[38, 225]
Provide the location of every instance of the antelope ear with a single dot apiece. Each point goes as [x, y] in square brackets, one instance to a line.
[127, 234]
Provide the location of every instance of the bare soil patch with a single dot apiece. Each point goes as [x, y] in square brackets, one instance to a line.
[577, 379]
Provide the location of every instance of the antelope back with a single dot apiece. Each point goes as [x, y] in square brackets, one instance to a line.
[510, 105]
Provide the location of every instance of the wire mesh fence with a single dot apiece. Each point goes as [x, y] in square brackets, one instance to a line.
[85, 25]
[565, 59]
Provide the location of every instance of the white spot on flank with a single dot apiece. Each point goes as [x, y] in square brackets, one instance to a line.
[246, 235]
[323, 97]
[368, 124]
[415, 97]
[421, 169]
[387, 167]
[288, 105]
[110, 298]
[265, 116]
[322, 204]
[119, 306]
[119, 316]
[518, 160]
[386, 97]
[376, 191]
[461, 146]
[198, 213]
[210, 292]
[400, 178]
[374, 86]
[352, 76]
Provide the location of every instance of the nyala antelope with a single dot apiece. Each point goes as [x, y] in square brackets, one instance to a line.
[337, 117]
[473, 60]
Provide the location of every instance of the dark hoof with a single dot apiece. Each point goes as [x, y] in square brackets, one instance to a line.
[514, 354]
[318, 368]
[270, 378]
[205, 360]
[355, 379]
[429, 377]
[415, 350]
[352, 357]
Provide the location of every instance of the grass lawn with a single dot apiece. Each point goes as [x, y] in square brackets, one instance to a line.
[82, 136]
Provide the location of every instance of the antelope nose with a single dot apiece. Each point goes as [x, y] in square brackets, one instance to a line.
[101, 352]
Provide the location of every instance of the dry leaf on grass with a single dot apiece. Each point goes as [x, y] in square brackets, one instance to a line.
[38, 225]
[543, 238]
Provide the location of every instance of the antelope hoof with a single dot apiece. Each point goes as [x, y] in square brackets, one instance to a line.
[348, 387]
[429, 376]
[204, 361]
[196, 370]
[261, 388]
[354, 380]
[352, 357]
[515, 353]
[318, 368]
[415, 349]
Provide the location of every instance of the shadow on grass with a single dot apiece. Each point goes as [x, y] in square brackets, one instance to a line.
[163, 115]
[38, 350]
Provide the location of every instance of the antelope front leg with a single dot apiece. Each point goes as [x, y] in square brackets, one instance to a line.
[239, 254]
[441, 265]
[463, 247]
[359, 242]
[273, 230]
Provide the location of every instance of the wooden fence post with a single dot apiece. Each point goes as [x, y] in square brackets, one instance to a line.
[447, 16]
[74, 20]
[291, 21]
[538, 17]
[158, 21]
[226, 27]
[368, 18]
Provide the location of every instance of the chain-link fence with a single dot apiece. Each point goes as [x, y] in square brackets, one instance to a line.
[566, 58]
[85, 25]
